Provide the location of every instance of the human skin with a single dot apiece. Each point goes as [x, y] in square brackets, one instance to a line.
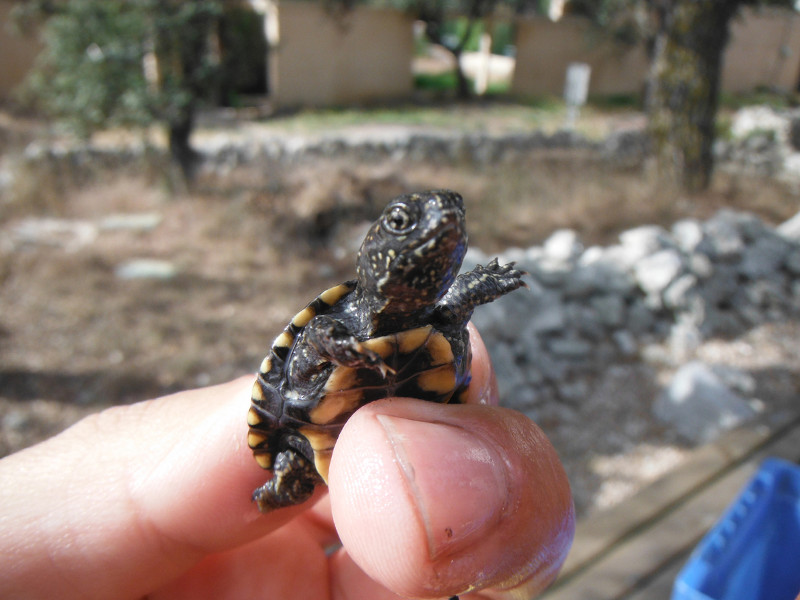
[153, 499]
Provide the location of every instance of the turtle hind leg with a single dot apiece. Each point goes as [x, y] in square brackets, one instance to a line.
[293, 481]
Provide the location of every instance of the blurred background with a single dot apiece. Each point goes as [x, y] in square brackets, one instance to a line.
[178, 178]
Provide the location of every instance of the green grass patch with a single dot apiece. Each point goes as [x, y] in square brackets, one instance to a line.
[613, 102]
[498, 88]
[446, 83]
[440, 82]
[548, 104]
[762, 97]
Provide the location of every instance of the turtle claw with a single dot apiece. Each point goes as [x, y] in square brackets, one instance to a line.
[497, 280]
[386, 370]
[373, 360]
[482, 285]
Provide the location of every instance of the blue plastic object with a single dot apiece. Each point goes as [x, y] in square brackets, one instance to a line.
[753, 551]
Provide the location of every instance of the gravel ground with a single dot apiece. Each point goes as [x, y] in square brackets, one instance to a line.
[612, 445]
[75, 337]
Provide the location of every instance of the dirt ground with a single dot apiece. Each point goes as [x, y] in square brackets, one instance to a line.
[249, 248]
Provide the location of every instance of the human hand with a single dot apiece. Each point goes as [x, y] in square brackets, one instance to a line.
[154, 499]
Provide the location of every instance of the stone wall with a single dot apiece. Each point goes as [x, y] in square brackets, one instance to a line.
[223, 151]
[592, 307]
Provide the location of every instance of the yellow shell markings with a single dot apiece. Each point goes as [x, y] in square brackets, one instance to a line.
[282, 344]
[342, 378]
[257, 394]
[334, 405]
[440, 350]
[302, 318]
[266, 365]
[284, 340]
[383, 346]
[322, 443]
[342, 394]
[253, 418]
[280, 349]
[264, 460]
[322, 463]
[319, 439]
[440, 380]
[332, 295]
[408, 341]
[255, 438]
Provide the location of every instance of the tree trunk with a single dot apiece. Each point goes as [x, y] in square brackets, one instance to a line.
[184, 38]
[463, 90]
[433, 15]
[682, 93]
[180, 148]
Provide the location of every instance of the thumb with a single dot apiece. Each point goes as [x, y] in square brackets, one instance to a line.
[434, 500]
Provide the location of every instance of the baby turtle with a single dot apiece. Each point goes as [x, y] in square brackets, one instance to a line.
[399, 329]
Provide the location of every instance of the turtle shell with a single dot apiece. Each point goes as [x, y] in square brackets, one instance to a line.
[421, 365]
[398, 329]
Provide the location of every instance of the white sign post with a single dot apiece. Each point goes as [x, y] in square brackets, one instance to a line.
[576, 90]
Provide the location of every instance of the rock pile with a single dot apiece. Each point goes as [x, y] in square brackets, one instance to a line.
[763, 140]
[593, 307]
[701, 402]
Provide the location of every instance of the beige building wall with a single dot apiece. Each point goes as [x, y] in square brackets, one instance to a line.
[764, 50]
[322, 60]
[545, 48]
[17, 52]
[365, 55]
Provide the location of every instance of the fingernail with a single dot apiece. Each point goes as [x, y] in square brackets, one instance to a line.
[455, 479]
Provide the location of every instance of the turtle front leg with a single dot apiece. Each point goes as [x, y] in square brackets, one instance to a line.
[294, 478]
[336, 343]
[479, 286]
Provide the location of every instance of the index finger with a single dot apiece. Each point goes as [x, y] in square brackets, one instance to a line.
[128, 498]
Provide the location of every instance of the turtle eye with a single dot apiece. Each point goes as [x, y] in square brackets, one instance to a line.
[398, 220]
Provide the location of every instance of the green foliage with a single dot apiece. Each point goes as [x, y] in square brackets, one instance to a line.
[502, 37]
[439, 82]
[91, 73]
[187, 68]
[626, 21]
[244, 53]
[454, 31]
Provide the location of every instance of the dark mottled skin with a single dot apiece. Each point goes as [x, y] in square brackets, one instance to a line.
[406, 278]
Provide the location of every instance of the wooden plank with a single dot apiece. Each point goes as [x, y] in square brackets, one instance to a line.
[599, 532]
[660, 586]
[626, 567]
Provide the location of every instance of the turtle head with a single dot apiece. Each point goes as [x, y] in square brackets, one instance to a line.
[412, 253]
